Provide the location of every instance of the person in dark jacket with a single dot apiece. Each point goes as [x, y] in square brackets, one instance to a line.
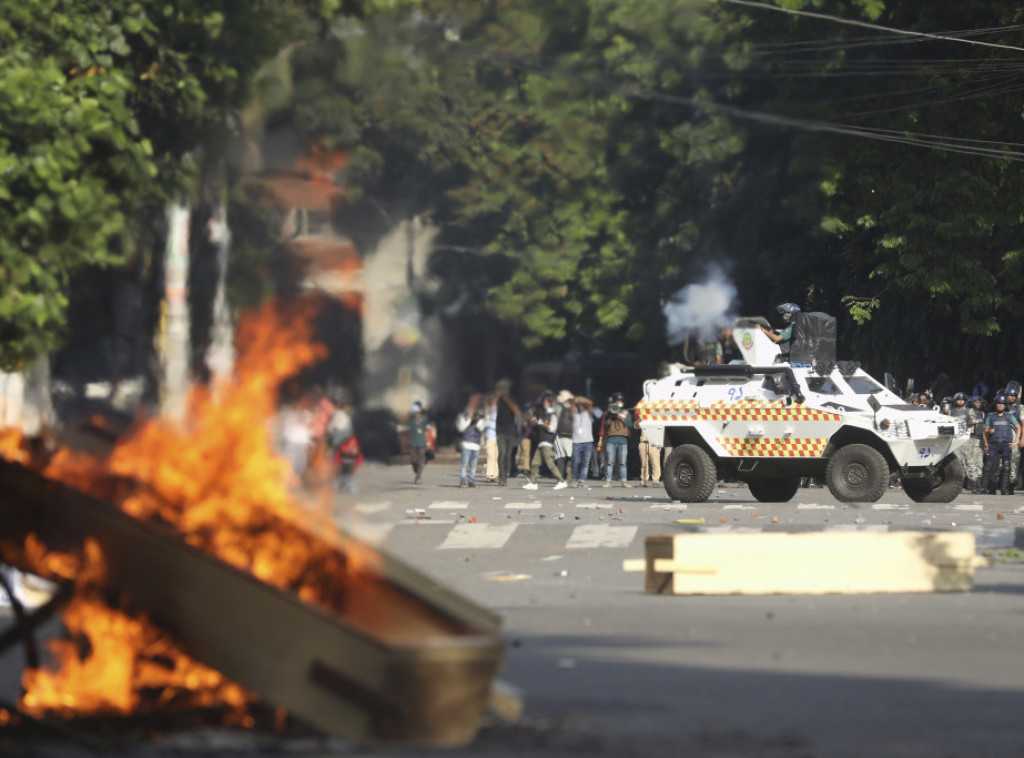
[470, 424]
[614, 439]
[1002, 434]
[508, 427]
[546, 423]
[419, 430]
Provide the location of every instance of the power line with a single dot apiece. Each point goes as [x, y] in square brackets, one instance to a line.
[868, 25]
[869, 41]
[962, 145]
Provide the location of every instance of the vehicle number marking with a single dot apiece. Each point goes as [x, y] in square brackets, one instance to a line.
[925, 452]
[735, 393]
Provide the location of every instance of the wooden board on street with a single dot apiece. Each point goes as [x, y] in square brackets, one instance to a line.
[808, 563]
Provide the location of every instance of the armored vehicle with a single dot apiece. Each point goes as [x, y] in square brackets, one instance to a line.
[769, 422]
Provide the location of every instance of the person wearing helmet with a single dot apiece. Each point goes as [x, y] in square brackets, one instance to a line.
[974, 452]
[960, 410]
[1002, 434]
[1013, 407]
[783, 337]
[614, 439]
[946, 406]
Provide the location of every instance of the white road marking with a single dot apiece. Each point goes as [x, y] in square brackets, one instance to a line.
[669, 507]
[601, 535]
[374, 534]
[447, 504]
[814, 507]
[889, 507]
[477, 536]
[969, 507]
[594, 506]
[738, 507]
[517, 506]
[372, 507]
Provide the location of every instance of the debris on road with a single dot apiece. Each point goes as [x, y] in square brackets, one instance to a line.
[807, 563]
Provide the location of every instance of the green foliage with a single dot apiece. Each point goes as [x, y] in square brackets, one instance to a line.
[99, 102]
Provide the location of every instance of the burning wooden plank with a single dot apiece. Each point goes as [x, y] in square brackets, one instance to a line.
[398, 659]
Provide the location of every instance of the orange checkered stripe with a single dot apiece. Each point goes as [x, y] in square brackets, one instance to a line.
[690, 410]
[746, 447]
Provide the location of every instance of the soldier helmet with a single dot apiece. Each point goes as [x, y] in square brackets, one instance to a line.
[960, 396]
[1000, 398]
[788, 311]
[618, 397]
[1013, 388]
[976, 398]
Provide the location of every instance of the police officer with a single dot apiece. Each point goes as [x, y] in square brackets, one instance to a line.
[784, 336]
[974, 453]
[1013, 406]
[1002, 434]
[959, 409]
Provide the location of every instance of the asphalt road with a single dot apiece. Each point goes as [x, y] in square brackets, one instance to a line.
[607, 670]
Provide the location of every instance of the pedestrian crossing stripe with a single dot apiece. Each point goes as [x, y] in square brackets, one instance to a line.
[774, 447]
[601, 535]
[477, 536]
[448, 505]
[522, 506]
[742, 410]
[814, 507]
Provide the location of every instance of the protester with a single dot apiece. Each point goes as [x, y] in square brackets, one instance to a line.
[296, 433]
[470, 424]
[344, 448]
[650, 461]
[563, 435]
[420, 429]
[490, 416]
[507, 424]
[582, 439]
[615, 426]
[546, 422]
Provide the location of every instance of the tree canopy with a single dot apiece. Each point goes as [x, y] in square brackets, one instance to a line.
[99, 102]
[584, 158]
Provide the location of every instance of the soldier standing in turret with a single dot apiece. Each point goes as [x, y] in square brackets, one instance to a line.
[784, 336]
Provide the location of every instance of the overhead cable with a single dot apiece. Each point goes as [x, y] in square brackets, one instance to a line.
[869, 25]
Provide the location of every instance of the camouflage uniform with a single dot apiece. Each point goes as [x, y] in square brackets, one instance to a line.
[1014, 408]
[972, 454]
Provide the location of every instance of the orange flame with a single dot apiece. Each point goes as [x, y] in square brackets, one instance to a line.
[216, 478]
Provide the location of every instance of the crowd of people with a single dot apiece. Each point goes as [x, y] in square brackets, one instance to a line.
[315, 434]
[991, 457]
[577, 441]
[570, 436]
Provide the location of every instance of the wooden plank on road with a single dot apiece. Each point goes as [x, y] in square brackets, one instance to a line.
[810, 563]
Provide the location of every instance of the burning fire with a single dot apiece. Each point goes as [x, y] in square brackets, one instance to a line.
[216, 478]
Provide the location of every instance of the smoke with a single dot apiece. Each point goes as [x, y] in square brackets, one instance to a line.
[701, 307]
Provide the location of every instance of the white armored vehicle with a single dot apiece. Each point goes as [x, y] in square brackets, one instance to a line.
[769, 423]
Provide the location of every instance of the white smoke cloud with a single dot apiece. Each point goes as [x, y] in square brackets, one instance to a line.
[701, 307]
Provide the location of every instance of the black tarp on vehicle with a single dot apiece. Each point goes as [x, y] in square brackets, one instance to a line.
[814, 339]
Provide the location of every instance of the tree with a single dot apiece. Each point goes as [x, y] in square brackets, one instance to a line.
[100, 102]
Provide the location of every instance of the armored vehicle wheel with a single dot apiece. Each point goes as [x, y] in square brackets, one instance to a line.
[951, 482]
[773, 490]
[690, 474]
[857, 474]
